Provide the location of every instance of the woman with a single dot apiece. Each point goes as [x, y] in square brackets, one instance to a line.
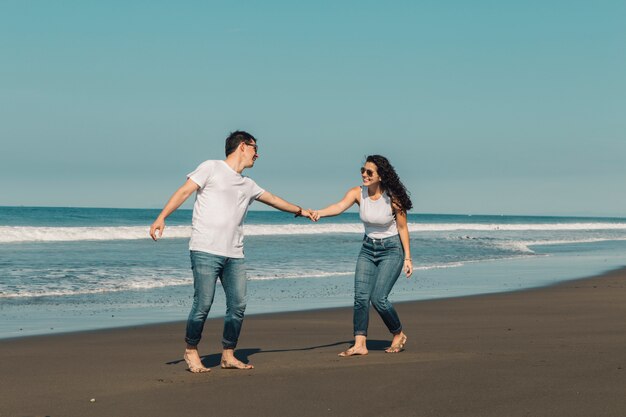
[383, 203]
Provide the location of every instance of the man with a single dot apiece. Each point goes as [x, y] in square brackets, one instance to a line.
[223, 196]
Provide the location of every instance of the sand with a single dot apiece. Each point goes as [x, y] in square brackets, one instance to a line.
[555, 351]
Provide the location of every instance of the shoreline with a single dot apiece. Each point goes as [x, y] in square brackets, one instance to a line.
[71, 315]
[171, 304]
[182, 323]
[555, 350]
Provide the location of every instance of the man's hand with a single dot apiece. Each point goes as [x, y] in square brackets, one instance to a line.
[308, 213]
[156, 230]
[178, 198]
[315, 215]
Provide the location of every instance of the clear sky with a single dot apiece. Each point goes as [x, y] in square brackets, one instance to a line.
[493, 107]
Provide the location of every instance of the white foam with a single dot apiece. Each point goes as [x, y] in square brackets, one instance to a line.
[524, 246]
[146, 280]
[289, 275]
[439, 266]
[14, 234]
[103, 286]
[515, 247]
[444, 227]
[571, 241]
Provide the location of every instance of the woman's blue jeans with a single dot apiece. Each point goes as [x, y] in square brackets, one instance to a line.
[207, 269]
[377, 269]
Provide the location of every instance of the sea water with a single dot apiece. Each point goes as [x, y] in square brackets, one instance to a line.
[68, 269]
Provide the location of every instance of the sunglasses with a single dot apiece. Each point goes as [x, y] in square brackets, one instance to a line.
[367, 172]
[256, 148]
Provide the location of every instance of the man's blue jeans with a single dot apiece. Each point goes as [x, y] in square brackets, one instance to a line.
[207, 269]
[377, 269]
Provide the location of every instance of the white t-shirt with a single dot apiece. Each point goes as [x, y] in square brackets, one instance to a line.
[221, 205]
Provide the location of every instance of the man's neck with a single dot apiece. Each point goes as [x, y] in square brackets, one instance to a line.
[235, 163]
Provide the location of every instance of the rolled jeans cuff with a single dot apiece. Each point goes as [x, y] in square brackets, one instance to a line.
[191, 342]
[360, 333]
[228, 345]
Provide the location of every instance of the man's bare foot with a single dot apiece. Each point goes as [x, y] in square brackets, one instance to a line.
[354, 351]
[235, 364]
[230, 362]
[193, 361]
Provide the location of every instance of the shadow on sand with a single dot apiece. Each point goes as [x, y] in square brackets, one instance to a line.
[243, 355]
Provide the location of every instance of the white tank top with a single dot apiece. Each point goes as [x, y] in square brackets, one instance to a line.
[377, 216]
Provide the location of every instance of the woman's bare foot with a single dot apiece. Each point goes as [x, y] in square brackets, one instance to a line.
[193, 361]
[397, 344]
[358, 349]
[354, 351]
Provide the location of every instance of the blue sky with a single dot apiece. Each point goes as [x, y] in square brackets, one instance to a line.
[482, 107]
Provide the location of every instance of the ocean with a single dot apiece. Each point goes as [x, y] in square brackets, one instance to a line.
[71, 269]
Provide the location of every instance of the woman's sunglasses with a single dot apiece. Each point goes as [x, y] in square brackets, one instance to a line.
[367, 172]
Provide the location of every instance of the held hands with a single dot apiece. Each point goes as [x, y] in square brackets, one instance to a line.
[308, 213]
[311, 214]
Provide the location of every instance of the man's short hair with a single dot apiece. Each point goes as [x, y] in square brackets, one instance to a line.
[234, 139]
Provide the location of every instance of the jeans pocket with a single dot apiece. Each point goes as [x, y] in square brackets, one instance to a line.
[392, 244]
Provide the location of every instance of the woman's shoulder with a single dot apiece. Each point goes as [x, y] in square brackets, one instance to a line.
[355, 192]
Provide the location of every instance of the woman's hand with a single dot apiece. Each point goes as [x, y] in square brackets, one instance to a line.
[310, 214]
[315, 215]
[408, 267]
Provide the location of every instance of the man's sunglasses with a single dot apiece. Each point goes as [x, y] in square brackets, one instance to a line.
[256, 148]
[367, 172]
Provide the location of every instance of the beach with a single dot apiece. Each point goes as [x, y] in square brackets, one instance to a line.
[552, 351]
[142, 144]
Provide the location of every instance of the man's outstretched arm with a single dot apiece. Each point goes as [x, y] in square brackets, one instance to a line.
[282, 205]
[175, 201]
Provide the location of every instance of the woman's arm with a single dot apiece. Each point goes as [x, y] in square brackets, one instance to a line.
[351, 197]
[403, 231]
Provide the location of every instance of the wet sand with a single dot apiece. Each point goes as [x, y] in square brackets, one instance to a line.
[556, 351]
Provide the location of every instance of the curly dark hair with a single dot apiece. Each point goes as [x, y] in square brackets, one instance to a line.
[391, 183]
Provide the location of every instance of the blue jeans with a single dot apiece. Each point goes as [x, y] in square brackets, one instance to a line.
[207, 268]
[377, 269]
